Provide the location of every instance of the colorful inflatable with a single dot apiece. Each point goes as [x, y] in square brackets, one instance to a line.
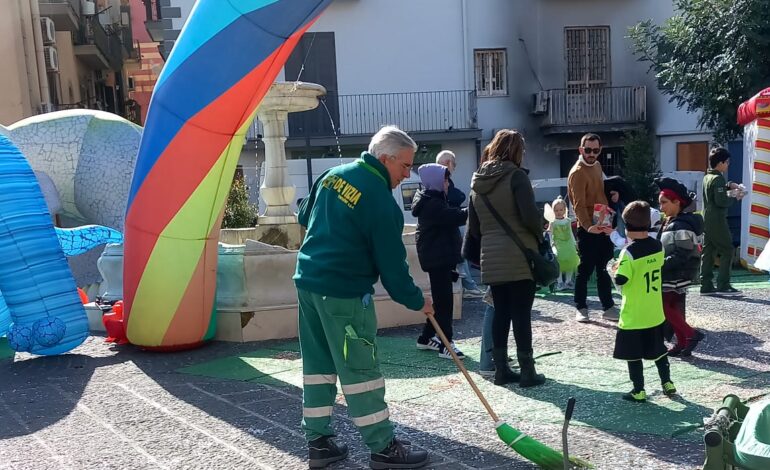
[754, 115]
[46, 315]
[222, 65]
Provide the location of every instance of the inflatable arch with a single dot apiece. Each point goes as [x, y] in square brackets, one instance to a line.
[754, 115]
[225, 60]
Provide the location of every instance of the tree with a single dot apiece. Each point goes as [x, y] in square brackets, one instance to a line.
[239, 212]
[710, 57]
[639, 166]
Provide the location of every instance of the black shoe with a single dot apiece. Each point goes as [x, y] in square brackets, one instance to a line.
[729, 290]
[707, 289]
[324, 451]
[529, 376]
[503, 372]
[692, 343]
[397, 455]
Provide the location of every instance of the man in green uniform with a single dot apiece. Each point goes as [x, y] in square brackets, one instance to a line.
[354, 229]
[717, 238]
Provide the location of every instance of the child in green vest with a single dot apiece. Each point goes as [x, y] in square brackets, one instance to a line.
[638, 276]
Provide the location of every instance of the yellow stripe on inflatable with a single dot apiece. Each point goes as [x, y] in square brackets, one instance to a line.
[175, 256]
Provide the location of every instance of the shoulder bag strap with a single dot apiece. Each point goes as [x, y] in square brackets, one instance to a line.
[502, 223]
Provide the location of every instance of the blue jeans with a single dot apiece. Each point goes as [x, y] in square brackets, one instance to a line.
[485, 360]
[465, 276]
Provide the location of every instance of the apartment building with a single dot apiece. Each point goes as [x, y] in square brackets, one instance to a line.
[63, 54]
[452, 72]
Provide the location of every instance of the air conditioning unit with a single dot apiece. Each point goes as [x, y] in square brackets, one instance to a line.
[87, 8]
[48, 29]
[51, 59]
[540, 102]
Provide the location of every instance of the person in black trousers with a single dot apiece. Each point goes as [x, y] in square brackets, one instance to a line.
[438, 249]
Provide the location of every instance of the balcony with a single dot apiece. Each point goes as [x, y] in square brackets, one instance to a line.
[355, 118]
[98, 49]
[599, 110]
[64, 13]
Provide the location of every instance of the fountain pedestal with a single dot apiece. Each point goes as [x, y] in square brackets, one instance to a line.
[278, 224]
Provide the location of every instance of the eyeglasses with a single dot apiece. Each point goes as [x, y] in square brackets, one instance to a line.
[590, 150]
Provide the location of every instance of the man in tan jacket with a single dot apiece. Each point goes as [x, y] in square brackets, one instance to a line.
[585, 187]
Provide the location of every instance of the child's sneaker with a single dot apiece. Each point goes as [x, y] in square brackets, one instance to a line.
[443, 353]
[669, 388]
[636, 397]
[432, 344]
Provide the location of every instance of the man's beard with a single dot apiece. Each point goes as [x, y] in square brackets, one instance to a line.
[584, 162]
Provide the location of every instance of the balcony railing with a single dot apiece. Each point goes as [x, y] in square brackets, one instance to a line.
[607, 105]
[109, 45]
[364, 114]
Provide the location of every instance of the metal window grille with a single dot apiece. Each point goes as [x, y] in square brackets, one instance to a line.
[491, 72]
[587, 53]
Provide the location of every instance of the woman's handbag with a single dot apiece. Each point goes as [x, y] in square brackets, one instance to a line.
[471, 249]
[543, 263]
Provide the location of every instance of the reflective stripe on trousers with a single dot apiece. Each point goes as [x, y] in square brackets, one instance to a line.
[363, 387]
[373, 418]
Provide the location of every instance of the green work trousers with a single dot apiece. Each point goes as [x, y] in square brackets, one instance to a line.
[337, 338]
[717, 241]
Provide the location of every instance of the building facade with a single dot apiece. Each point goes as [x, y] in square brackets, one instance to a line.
[63, 54]
[453, 72]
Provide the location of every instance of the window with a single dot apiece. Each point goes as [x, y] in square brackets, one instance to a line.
[692, 156]
[491, 69]
[587, 52]
[131, 83]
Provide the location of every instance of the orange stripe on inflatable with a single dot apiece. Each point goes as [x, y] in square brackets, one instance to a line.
[182, 327]
[761, 188]
[760, 209]
[759, 231]
[160, 197]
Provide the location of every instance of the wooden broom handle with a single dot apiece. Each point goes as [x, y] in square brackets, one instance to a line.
[460, 366]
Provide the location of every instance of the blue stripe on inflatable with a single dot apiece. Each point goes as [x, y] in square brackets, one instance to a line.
[213, 69]
[79, 240]
[205, 21]
[5, 317]
[46, 313]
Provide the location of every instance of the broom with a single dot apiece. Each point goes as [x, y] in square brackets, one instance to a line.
[526, 446]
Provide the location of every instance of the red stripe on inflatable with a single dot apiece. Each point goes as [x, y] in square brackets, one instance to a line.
[198, 299]
[761, 210]
[763, 144]
[761, 188]
[759, 231]
[763, 123]
[750, 251]
[172, 178]
[762, 166]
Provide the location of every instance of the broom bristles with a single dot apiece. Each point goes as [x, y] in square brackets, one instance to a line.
[534, 450]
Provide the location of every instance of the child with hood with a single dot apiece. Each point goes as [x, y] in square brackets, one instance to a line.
[438, 249]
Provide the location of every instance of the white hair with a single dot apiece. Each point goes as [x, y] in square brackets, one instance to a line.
[446, 156]
[389, 140]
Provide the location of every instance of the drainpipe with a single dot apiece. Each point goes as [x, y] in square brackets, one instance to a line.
[464, 28]
[29, 53]
[45, 93]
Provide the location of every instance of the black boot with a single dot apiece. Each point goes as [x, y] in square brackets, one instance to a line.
[503, 373]
[323, 451]
[529, 376]
[398, 455]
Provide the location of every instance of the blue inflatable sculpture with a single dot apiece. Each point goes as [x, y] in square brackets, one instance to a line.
[46, 313]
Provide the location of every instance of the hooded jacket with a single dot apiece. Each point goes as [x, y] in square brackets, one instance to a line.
[438, 234]
[680, 236]
[510, 192]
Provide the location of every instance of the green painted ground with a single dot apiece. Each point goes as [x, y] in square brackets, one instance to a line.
[597, 382]
[5, 350]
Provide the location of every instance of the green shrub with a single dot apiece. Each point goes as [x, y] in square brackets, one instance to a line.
[639, 166]
[239, 212]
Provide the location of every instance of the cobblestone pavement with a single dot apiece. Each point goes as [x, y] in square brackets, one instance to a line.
[239, 405]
